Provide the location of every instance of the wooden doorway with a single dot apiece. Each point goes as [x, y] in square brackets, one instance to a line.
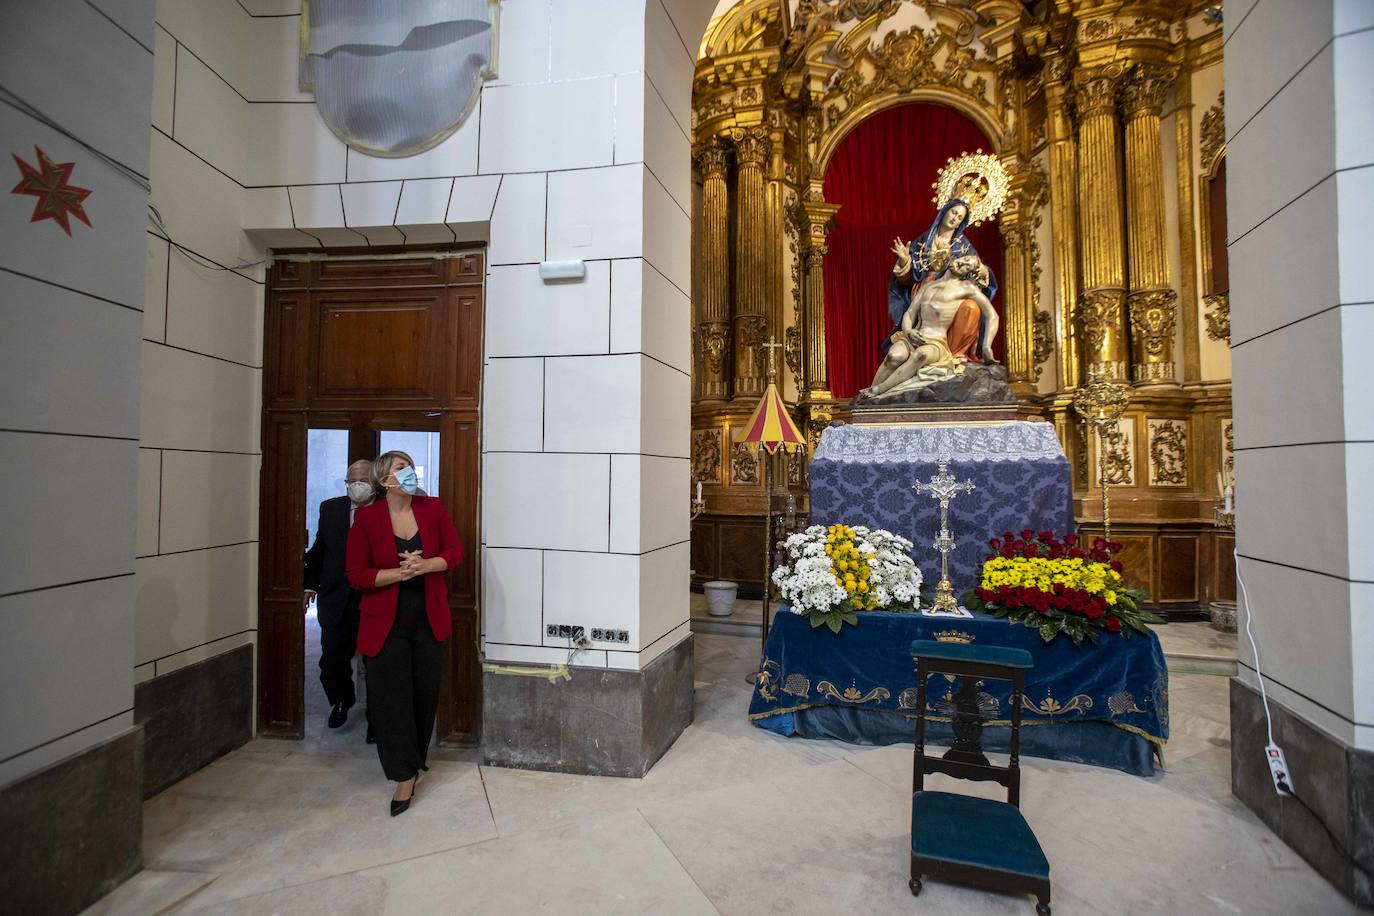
[367, 345]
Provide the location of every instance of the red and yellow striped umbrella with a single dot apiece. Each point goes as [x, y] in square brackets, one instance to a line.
[770, 426]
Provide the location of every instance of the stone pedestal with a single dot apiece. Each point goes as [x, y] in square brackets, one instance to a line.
[600, 722]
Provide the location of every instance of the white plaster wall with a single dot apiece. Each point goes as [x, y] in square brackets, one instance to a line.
[69, 362]
[579, 149]
[1300, 350]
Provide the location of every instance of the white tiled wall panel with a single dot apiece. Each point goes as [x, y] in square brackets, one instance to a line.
[149, 501]
[1277, 369]
[64, 58]
[216, 312]
[85, 632]
[596, 213]
[527, 316]
[73, 374]
[545, 126]
[208, 500]
[513, 405]
[1355, 234]
[104, 259]
[517, 220]
[192, 402]
[512, 595]
[1289, 34]
[592, 404]
[1263, 158]
[612, 41]
[72, 508]
[558, 501]
[188, 599]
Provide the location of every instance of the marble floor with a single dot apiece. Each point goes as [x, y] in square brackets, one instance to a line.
[732, 820]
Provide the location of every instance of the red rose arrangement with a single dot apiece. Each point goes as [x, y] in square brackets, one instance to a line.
[1057, 585]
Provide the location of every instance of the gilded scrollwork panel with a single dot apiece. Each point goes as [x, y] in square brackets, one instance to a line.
[1118, 448]
[1168, 453]
[706, 454]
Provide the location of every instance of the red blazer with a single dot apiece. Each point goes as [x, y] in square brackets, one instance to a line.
[372, 548]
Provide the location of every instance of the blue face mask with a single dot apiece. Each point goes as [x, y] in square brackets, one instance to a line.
[406, 480]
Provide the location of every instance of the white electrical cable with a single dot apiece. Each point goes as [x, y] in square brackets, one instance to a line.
[1259, 676]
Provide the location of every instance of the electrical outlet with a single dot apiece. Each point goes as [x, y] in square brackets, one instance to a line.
[551, 630]
[567, 631]
[598, 634]
[1278, 769]
[622, 636]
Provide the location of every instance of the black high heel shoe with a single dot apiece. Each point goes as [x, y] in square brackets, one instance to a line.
[398, 807]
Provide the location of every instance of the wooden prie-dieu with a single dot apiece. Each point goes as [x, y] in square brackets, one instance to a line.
[964, 839]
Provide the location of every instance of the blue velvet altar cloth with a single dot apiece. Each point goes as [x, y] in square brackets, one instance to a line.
[1106, 705]
[862, 475]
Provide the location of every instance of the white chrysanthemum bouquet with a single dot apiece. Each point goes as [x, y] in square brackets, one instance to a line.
[834, 572]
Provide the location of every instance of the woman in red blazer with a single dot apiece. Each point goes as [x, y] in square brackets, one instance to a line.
[400, 550]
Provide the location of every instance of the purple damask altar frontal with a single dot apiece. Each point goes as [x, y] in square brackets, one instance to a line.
[862, 475]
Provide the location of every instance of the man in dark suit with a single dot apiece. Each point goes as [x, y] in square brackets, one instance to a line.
[336, 602]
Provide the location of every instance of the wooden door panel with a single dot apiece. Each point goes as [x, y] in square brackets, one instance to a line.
[354, 274]
[464, 348]
[367, 345]
[377, 347]
[286, 350]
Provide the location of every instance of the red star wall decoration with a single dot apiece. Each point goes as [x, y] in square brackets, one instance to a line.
[56, 198]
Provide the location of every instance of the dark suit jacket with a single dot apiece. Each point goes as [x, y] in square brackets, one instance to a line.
[324, 562]
[372, 548]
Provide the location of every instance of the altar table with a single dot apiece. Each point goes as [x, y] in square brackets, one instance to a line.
[1106, 705]
[862, 475]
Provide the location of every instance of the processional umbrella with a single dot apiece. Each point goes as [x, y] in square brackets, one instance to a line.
[770, 428]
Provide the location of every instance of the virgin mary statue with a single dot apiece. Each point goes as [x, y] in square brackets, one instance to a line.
[926, 257]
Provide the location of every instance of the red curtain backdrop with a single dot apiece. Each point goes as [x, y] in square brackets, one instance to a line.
[881, 175]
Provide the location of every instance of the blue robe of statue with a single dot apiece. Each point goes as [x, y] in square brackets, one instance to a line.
[899, 294]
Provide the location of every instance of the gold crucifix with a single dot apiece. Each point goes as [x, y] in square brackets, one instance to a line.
[770, 347]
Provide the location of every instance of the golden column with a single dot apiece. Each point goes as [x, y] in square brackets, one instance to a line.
[752, 146]
[1151, 303]
[1101, 312]
[713, 309]
[818, 216]
[1063, 169]
[1017, 227]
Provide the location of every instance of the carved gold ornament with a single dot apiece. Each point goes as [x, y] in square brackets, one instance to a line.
[1218, 316]
[706, 455]
[1168, 453]
[979, 180]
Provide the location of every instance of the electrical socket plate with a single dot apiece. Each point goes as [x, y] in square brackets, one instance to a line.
[1278, 769]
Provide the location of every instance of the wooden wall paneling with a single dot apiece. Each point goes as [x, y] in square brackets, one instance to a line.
[739, 555]
[288, 274]
[1179, 565]
[1138, 560]
[1225, 568]
[704, 549]
[362, 272]
[376, 346]
[286, 349]
[462, 356]
[281, 624]
[460, 488]
[465, 270]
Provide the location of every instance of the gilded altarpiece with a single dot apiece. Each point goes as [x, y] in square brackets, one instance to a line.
[1084, 104]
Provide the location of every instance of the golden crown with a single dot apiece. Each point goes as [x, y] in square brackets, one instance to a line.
[958, 636]
[978, 179]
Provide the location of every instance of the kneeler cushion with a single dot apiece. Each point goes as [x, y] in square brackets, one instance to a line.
[981, 832]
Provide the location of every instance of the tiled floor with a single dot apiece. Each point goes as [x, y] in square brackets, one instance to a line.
[732, 820]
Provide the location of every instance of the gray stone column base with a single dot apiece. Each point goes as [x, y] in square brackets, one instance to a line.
[602, 722]
[1335, 781]
[71, 833]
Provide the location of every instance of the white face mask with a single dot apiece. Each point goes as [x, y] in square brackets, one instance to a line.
[360, 491]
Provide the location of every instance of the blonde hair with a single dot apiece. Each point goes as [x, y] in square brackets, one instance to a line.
[381, 466]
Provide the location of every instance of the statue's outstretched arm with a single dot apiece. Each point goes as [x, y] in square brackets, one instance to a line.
[990, 320]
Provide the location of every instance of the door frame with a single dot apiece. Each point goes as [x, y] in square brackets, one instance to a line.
[448, 400]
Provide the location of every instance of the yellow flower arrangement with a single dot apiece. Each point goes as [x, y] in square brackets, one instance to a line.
[852, 568]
